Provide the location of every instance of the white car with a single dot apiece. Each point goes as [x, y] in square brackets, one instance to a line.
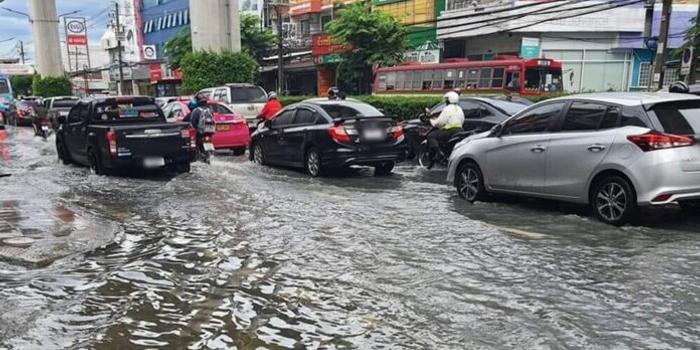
[244, 99]
[612, 151]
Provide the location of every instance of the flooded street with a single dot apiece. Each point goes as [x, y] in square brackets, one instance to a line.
[235, 255]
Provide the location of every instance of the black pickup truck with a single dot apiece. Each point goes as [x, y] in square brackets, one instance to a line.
[115, 133]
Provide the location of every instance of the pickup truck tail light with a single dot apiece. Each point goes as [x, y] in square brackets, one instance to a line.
[112, 142]
[190, 133]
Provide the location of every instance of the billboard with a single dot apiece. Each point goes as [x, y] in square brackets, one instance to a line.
[76, 31]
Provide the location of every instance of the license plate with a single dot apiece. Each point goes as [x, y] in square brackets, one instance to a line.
[45, 128]
[223, 127]
[153, 162]
[208, 146]
[374, 134]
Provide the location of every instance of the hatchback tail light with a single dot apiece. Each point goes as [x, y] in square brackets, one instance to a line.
[191, 134]
[339, 134]
[654, 140]
[112, 142]
[396, 131]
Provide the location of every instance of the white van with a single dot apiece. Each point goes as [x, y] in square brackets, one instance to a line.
[244, 99]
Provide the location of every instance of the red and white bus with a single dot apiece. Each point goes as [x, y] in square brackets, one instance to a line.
[503, 73]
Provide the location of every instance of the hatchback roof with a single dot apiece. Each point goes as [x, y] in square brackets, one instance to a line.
[631, 98]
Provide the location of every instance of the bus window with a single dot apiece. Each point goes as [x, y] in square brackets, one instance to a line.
[382, 81]
[472, 78]
[437, 79]
[497, 81]
[427, 80]
[543, 80]
[400, 78]
[417, 80]
[461, 82]
[391, 81]
[485, 80]
[450, 76]
[513, 81]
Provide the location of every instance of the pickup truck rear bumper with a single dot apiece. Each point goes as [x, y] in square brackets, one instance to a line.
[146, 162]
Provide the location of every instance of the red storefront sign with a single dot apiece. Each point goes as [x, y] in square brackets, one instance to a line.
[323, 44]
[312, 6]
[156, 73]
[77, 40]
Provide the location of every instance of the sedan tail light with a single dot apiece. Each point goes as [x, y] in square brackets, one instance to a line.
[396, 131]
[112, 142]
[339, 134]
[191, 134]
[654, 140]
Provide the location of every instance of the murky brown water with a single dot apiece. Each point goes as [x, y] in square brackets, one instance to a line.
[239, 256]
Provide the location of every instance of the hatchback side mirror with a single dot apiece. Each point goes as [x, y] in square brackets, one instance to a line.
[497, 130]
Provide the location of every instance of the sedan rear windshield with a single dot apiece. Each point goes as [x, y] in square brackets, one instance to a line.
[247, 94]
[64, 103]
[127, 110]
[351, 110]
[680, 118]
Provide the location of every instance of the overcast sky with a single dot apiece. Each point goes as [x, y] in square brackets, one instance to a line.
[17, 27]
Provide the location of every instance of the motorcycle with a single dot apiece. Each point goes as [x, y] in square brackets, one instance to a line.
[206, 149]
[428, 159]
[43, 128]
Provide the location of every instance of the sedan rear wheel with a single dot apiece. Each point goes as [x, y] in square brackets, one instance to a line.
[313, 163]
[470, 182]
[614, 201]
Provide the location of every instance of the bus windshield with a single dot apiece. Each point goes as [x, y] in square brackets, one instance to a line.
[543, 79]
[4, 86]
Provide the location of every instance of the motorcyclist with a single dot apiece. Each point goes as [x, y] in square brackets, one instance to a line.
[447, 123]
[271, 108]
[679, 87]
[197, 105]
[333, 93]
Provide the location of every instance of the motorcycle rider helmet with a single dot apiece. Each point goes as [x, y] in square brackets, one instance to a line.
[201, 100]
[451, 97]
[679, 87]
[271, 96]
[333, 93]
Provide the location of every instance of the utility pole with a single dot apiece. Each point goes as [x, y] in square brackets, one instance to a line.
[21, 51]
[118, 33]
[648, 17]
[660, 61]
[693, 62]
[280, 48]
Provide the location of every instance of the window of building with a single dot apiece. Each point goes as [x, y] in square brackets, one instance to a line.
[305, 27]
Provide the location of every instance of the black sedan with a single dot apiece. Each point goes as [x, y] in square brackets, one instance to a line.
[480, 114]
[324, 135]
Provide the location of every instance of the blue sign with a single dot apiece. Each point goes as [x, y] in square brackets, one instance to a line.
[530, 48]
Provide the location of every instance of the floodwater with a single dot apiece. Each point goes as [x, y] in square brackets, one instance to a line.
[235, 255]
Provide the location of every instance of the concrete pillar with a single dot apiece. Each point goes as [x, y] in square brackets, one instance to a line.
[47, 49]
[235, 25]
[209, 23]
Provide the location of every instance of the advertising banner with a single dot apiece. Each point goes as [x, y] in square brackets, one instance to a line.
[76, 31]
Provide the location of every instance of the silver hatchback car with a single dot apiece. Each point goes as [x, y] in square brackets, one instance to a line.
[613, 151]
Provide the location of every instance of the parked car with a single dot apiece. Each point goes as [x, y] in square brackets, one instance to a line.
[244, 99]
[115, 133]
[481, 114]
[57, 107]
[231, 129]
[22, 113]
[614, 151]
[322, 135]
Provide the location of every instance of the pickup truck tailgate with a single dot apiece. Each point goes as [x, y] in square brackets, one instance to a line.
[152, 140]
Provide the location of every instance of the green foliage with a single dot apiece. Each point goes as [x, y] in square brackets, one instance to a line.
[288, 100]
[376, 38]
[256, 40]
[205, 69]
[178, 47]
[51, 86]
[22, 85]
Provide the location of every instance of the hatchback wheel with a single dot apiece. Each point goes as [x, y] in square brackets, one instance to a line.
[614, 201]
[470, 182]
[313, 163]
[258, 155]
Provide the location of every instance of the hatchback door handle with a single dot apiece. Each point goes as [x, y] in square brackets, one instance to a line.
[596, 148]
[538, 149]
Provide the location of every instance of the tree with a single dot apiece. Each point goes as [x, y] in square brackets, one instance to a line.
[21, 84]
[51, 86]
[178, 46]
[203, 69]
[375, 38]
[254, 39]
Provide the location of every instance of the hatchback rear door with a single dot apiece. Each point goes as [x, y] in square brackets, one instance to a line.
[586, 135]
[682, 118]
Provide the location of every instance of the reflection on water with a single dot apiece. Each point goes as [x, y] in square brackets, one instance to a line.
[236, 255]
